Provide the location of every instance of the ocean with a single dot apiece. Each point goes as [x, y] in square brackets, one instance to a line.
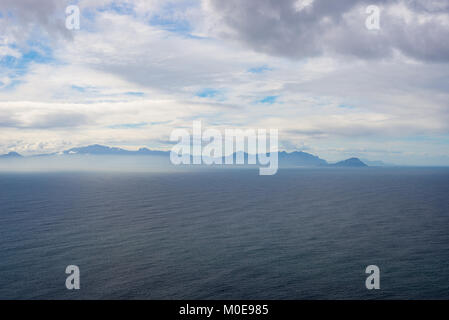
[226, 234]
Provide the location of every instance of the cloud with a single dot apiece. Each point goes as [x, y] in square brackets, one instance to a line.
[125, 80]
[299, 29]
[23, 20]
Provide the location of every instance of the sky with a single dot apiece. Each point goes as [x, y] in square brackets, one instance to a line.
[136, 70]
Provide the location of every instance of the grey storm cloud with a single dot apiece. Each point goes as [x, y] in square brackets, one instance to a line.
[20, 18]
[337, 27]
[59, 120]
[50, 120]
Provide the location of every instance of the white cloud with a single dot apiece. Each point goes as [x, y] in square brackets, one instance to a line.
[85, 94]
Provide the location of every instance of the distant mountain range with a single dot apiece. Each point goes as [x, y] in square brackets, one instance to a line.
[300, 158]
[97, 149]
[286, 159]
[351, 162]
[377, 163]
[11, 155]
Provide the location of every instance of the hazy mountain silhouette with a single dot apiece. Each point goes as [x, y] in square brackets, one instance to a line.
[300, 158]
[286, 159]
[289, 159]
[377, 163]
[97, 149]
[351, 162]
[11, 155]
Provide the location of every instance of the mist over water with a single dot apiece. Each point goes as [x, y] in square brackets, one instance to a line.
[89, 163]
[226, 234]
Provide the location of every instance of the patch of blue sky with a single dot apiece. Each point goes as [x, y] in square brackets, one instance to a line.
[78, 88]
[268, 100]
[87, 18]
[6, 13]
[8, 61]
[14, 67]
[154, 123]
[346, 106]
[88, 15]
[36, 53]
[170, 24]
[168, 17]
[128, 125]
[36, 56]
[196, 37]
[86, 88]
[122, 8]
[259, 69]
[210, 93]
[135, 93]
[207, 93]
[13, 83]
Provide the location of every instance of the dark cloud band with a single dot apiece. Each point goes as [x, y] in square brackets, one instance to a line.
[305, 28]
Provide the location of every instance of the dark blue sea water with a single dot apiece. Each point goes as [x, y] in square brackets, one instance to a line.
[229, 234]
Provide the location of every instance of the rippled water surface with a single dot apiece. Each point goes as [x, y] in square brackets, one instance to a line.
[230, 234]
